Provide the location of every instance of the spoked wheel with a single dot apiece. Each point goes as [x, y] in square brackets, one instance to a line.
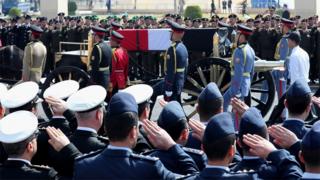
[217, 70]
[62, 74]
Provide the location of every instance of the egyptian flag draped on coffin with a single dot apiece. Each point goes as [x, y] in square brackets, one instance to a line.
[146, 39]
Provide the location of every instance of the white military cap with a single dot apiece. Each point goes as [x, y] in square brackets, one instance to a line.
[17, 126]
[87, 99]
[140, 92]
[3, 90]
[62, 90]
[20, 95]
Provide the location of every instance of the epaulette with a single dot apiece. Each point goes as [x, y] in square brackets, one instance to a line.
[30, 43]
[104, 139]
[38, 167]
[148, 152]
[246, 171]
[180, 177]
[146, 158]
[193, 151]
[231, 165]
[91, 154]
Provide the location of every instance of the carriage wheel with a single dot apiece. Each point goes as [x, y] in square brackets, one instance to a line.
[217, 70]
[61, 74]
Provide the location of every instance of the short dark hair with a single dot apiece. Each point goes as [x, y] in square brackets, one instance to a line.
[17, 149]
[311, 157]
[218, 150]
[298, 104]
[176, 130]
[118, 127]
[207, 109]
[263, 133]
[142, 107]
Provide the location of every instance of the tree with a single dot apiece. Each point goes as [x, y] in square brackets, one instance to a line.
[14, 11]
[72, 7]
[193, 12]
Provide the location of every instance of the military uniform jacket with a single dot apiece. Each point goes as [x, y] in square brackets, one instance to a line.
[120, 67]
[100, 61]
[296, 126]
[123, 164]
[87, 141]
[282, 166]
[12, 36]
[242, 69]
[23, 38]
[14, 169]
[197, 157]
[34, 60]
[175, 67]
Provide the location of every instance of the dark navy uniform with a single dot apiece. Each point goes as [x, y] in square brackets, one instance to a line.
[100, 61]
[23, 38]
[17, 169]
[242, 69]
[298, 88]
[175, 68]
[12, 35]
[173, 119]
[87, 141]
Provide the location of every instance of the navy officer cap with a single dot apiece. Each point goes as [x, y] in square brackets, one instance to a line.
[287, 22]
[223, 24]
[211, 92]
[311, 140]
[219, 126]
[98, 30]
[116, 36]
[176, 27]
[171, 115]
[115, 25]
[122, 102]
[252, 122]
[299, 88]
[36, 29]
[244, 29]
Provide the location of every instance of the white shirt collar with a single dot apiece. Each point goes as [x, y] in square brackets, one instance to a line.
[250, 157]
[119, 148]
[86, 129]
[19, 159]
[308, 175]
[218, 167]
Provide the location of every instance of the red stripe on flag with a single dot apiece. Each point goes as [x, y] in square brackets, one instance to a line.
[143, 40]
[130, 39]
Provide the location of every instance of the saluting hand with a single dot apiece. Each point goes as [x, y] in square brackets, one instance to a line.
[282, 136]
[58, 106]
[57, 139]
[158, 137]
[239, 106]
[259, 146]
[197, 129]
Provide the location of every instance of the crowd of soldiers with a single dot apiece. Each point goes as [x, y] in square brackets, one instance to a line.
[89, 139]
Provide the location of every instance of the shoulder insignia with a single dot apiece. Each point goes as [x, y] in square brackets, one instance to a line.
[237, 60]
[146, 158]
[247, 171]
[92, 57]
[168, 56]
[148, 152]
[91, 154]
[193, 151]
[41, 167]
[103, 139]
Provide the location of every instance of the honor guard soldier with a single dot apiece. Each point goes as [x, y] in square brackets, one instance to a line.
[18, 134]
[142, 94]
[120, 64]
[117, 161]
[173, 119]
[100, 58]
[12, 37]
[242, 67]
[283, 51]
[219, 141]
[88, 104]
[34, 59]
[175, 67]
[24, 29]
